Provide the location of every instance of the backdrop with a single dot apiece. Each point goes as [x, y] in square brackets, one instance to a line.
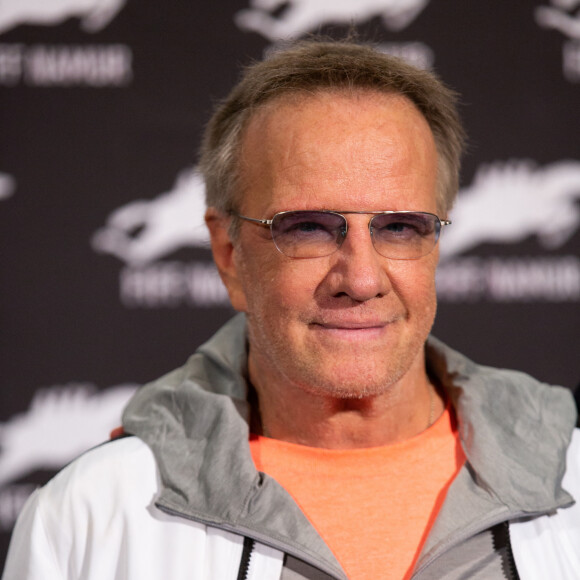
[106, 278]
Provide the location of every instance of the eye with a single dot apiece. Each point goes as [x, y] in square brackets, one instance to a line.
[399, 227]
[403, 226]
[307, 224]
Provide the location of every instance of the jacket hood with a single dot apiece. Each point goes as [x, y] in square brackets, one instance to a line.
[514, 429]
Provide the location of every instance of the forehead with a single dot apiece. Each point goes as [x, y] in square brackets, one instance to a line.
[305, 146]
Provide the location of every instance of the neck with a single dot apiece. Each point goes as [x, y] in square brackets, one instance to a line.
[300, 416]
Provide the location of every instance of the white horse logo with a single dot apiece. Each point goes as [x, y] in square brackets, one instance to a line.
[143, 231]
[94, 14]
[7, 185]
[557, 17]
[303, 16]
[61, 423]
[508, 202]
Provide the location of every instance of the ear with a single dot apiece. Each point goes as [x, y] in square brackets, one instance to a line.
[224, 255]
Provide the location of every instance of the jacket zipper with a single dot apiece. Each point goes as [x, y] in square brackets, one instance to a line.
[466, 534]
[511, 562]
[246, 556]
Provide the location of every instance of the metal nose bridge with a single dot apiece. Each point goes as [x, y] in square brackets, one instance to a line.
[344, 231]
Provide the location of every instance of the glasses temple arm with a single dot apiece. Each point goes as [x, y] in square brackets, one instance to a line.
[254, 220]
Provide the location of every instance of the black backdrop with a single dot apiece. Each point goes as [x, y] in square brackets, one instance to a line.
[106, 278]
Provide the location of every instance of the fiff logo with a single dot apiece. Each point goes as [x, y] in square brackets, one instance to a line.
[94, 14]
[559, 17]
[142, 231]
[564, 16]
[61, 423]
[508, 202]
[302, 16]
[7, 185]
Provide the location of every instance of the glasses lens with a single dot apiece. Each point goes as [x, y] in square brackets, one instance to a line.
[308, 234]
[405, 235]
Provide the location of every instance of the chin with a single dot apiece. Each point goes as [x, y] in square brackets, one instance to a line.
[351, 383]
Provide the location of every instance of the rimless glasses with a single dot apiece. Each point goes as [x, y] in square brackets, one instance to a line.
[399, 235]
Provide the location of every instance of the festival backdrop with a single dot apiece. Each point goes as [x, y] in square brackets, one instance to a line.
[106, 277]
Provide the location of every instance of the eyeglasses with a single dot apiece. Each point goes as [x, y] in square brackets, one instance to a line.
[399, 235]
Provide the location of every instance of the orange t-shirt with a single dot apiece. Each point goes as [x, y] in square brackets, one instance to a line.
[373, 507]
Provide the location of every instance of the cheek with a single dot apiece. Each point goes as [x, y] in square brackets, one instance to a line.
[414, 283]
[283, 288]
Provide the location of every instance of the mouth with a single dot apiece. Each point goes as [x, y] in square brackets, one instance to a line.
[351, 330]
[350, 325]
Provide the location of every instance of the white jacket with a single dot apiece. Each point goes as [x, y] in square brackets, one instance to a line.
[130, 539]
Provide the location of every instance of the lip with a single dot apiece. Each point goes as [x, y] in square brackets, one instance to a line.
[350, 325]
[351, 330]
[346, 322]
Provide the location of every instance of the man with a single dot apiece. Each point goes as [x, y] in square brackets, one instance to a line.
[322, 433]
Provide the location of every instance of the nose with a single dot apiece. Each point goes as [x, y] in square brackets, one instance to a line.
[358, 270]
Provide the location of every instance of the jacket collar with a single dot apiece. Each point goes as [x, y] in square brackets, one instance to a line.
[514, 429]
[515, 432]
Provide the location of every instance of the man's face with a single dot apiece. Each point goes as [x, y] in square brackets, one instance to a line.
[353, 323]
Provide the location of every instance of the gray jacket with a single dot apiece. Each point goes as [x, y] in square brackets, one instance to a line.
[515, 432]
